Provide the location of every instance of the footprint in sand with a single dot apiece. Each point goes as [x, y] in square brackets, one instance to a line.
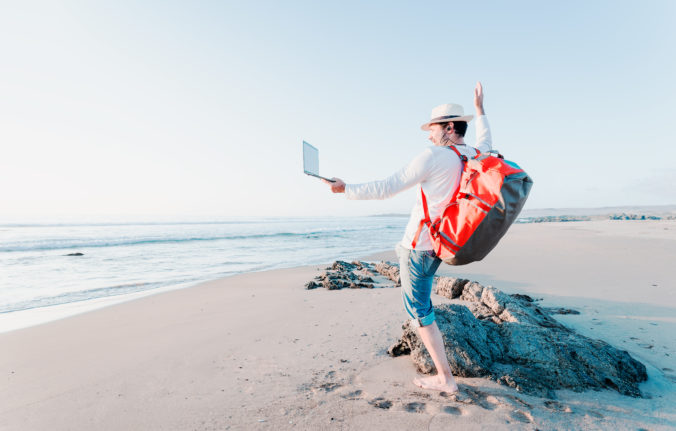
[354, 395]
[451, 410]
[557, 406]
[521, 416]
[480, 398]
[415, 407]
[595, 414]
[328, 387]
[519, 401]
[381, 403]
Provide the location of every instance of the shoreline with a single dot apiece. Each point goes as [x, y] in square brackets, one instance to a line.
[258, 350]
[15, 320]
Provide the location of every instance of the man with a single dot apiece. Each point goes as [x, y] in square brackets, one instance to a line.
[438, 171]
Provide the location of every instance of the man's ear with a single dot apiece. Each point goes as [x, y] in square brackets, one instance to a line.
[449, 127]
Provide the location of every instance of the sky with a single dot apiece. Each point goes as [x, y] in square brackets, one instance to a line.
[198, 109]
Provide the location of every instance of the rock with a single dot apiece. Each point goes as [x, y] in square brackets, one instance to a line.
[390, 271]
[549, 219]
[339, 265]
[344, 275]
[561, 310]
[625, 216]
[522, 297]
[75, 254]
[494, 299]
[472, 292]
[333, 280]
[450, 287]
[511, 340]
[312, 285]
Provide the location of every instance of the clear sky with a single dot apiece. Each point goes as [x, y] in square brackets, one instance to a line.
[175, 109]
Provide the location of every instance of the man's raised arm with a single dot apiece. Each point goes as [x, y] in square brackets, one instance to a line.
[483, 131]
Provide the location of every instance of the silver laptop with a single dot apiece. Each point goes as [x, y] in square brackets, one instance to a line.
[311, 161]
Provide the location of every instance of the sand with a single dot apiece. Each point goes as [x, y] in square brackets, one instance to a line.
[257, 351]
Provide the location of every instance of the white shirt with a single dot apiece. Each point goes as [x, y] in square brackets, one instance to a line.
[437, 170]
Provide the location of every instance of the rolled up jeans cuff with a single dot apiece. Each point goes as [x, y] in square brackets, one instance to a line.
[424, 321]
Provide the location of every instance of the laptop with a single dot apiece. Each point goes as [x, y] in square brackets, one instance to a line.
[311, 161]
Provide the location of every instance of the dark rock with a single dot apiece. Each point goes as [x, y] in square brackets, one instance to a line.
[522, 297]
[516, 343]
[312, 285]
[75, 254]
[625, 216]
[339, 265]
[561, 310]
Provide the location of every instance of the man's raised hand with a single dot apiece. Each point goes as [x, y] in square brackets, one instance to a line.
[479, 99]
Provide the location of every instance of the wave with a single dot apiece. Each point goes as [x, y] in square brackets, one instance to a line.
[59, 244]
[85, 295]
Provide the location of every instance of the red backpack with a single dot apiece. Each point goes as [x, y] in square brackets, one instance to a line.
[490, 196]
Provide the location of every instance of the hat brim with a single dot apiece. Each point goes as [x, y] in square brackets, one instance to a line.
[467, 118]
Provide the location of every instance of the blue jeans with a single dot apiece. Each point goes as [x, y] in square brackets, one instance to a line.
[416, 269]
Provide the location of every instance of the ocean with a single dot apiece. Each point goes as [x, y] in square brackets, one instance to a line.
[120, 261]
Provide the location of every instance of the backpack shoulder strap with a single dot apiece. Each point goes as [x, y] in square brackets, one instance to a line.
[424, 221]
[462, 156]
[455, 150]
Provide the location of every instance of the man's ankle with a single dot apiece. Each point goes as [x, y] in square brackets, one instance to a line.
[446, 378]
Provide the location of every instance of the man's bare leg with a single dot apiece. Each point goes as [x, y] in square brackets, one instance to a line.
[443, 381]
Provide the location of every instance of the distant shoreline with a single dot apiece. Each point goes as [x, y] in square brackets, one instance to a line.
[552, 215]
[568, 218]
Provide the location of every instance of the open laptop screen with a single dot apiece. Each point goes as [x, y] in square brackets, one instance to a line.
[310, 159]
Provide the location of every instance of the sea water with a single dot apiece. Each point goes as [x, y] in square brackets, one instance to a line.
[125, 260]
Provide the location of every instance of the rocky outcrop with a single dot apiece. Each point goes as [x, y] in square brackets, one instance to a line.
[340, 275]
[354, 275]
[390, 271]
[450, 287]
[512, 340]
[551, 219]
[625, 216]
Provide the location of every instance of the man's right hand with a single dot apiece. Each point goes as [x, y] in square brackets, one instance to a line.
[479, 99]
[337, 186]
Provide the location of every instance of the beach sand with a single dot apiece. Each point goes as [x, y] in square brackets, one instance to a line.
[258, 351]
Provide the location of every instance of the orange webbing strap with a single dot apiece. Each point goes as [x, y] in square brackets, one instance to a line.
[452, 147]
[462, 156]
[423, 221]
[417, 234]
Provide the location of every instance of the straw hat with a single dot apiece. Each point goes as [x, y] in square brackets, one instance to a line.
[445, 113]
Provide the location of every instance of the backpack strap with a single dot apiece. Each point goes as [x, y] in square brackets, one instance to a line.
[462, 156]
[455, 150]
[424, 221]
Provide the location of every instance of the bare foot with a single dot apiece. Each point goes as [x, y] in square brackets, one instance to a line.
[436, 383]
